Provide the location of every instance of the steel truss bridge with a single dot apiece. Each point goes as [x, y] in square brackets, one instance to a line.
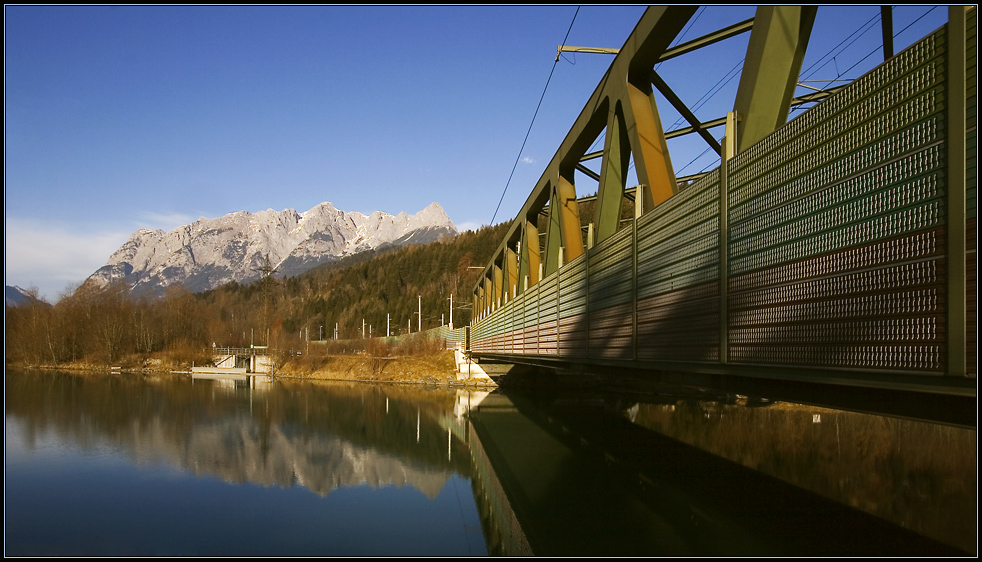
[836, 248]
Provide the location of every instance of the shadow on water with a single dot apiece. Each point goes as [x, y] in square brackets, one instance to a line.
[583, 473]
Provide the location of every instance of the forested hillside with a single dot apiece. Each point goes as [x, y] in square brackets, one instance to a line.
[367, 287]
[110, 326]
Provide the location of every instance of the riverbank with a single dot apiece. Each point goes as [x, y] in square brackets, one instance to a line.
[437, 368]
[434, 368]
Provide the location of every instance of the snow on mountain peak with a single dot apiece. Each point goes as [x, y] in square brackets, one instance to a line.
[212, 252]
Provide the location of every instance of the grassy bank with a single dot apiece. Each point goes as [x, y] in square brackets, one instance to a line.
[377, 364]
[430, 368]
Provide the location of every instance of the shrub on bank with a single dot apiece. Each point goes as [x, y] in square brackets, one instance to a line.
[419, 344]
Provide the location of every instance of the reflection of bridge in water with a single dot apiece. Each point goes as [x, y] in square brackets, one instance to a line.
[584, 475]
[838, 248]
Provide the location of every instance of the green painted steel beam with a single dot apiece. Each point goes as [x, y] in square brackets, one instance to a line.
[511, 273]
[817, 96]
[770, 71]
[708, 39]
[799, 100]
[651, 38]
[563, 238]
[683, 110]
[592, 156]
[886, 23]
[587, 171]
[957, 187]
[613, 178]
[689, 130]
[553, 235]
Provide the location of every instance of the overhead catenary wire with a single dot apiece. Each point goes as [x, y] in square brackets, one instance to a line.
[860, 31]
[519, 157]
[871, 53]
[815, 66]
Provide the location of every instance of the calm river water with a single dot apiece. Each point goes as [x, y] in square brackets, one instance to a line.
[127, 465]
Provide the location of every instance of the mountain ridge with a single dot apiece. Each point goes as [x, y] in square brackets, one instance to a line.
[235, 247]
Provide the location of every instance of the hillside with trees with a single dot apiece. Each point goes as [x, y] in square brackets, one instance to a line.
[113, 327]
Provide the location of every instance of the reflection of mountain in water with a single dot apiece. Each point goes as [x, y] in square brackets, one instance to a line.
[235, 450]
[322, 438]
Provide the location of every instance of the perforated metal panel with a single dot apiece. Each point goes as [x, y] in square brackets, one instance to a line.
[831, 219]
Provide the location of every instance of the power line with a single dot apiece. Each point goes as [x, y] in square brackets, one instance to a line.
[878, 48]
[518, 158]
[871, 53]
[808, 72]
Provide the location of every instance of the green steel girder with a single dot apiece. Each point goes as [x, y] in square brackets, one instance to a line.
[510, 274]
[624, 105]
[708, 39]
[706, 125]
[649, 41]
[587, 171]
[592, 156]
[529, 260]
[886, 23]
[613, 177]
[496, 288]
[563, 235]
[770, 71]
[677, 103]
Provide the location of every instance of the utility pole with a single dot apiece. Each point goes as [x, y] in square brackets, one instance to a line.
[388, 332]
[451, 311]
[419, 321]
[362, 328]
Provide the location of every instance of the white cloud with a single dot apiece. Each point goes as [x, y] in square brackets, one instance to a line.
[469, 225]
[528, 160]
[53, 257]
[165, 222]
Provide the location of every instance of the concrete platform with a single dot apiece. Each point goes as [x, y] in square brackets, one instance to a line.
[219, 373]
[471, 371]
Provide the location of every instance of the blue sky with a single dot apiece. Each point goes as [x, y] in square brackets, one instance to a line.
[119, 118]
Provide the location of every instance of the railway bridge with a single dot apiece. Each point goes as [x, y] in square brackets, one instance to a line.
[837, 248]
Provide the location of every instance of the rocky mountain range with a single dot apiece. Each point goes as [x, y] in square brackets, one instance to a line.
[17, 296]
[212, 252]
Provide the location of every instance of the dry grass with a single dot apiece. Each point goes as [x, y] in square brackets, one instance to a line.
[378, 366]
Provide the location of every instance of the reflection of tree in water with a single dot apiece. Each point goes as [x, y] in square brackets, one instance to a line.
[919, 475]
[321, 436]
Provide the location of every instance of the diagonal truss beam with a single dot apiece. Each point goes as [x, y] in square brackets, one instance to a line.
[623, 105]
[680, 106]
[770, 71]
[708, 39]
[657, 28]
